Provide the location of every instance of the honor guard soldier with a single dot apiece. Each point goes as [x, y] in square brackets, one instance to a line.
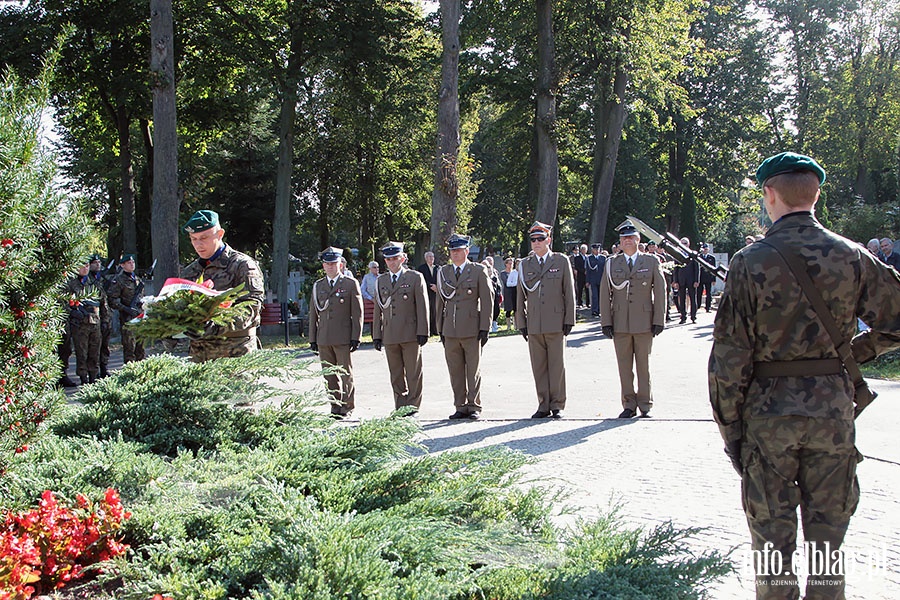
[102, 281]
[125, 293]
[595, 267]
[545, 314]
[465, 303]
[86, 314]
[632, 312]
[335, 325]
[226, 268]
[400, 325]
[783, 377]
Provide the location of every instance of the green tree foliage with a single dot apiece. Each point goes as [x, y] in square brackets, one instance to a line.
[41, 235]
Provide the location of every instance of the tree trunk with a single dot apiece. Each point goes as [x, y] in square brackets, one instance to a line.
[126, 173]
[609, 120]
[677, 166]
[165, 200]
[281, 223]
[446, 184]
[545, 117]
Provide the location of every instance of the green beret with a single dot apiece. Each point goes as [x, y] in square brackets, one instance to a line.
[788, 162]
[94, 257]
[127, 257]
[201, 221]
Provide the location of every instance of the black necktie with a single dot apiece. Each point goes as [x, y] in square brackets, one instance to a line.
[630, 262]
[331, 283]
[458, 270]
[394, 278]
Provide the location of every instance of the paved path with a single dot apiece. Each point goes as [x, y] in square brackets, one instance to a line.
[670, 467]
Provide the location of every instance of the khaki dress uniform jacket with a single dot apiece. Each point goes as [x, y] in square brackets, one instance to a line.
[464, 307]
[335, 319]
[545, 303]
[399, 317]
[230, 269]
[797, 433]
[632, 300]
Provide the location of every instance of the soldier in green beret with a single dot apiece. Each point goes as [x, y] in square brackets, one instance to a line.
[780, 393]
[125, 294]
[226, 268]
[100, 278]
[87, 309]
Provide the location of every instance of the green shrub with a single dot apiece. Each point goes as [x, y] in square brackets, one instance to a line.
[303, 507]
[169, 403]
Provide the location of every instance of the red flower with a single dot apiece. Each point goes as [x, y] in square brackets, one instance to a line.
[7, 243]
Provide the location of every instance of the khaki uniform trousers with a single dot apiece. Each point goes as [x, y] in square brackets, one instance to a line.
[633, 354]
[549, 369]
[405, 365]
[340, 385]
[792, 461]
[464, 364]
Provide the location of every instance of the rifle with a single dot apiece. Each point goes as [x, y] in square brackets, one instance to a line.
[139, 290]
[676, 249]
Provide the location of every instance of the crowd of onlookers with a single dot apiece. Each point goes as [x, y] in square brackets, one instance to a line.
[884, 250]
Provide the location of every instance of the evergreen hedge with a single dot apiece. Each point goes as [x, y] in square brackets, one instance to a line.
[282, 502]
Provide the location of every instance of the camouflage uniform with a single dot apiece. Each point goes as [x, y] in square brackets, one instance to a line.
[796, 434]
[227, 270]
[121, 297]
[84, 325]
[103, 282]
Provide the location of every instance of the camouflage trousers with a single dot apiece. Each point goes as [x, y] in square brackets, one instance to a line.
[795, 461]
[86, 338]
[204, 350]
[132, 349]
[105, 331]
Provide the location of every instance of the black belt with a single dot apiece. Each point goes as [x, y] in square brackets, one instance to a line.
[798, 368]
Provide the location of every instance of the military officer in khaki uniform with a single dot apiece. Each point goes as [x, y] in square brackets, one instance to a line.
[335, 324]
[400, 324]
[226, 268]
[780, 394]
[125, 293]
[545, 314]
[465, 300]
[632, 313]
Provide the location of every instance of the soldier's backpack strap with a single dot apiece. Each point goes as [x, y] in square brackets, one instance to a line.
[863, 395]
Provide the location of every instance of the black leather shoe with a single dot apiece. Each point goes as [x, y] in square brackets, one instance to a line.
[474, 416]
[64, 381]
[555, 414]
[645, 414]
[541, 414]
[458, 415]
[682, 321]
[627, 414]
